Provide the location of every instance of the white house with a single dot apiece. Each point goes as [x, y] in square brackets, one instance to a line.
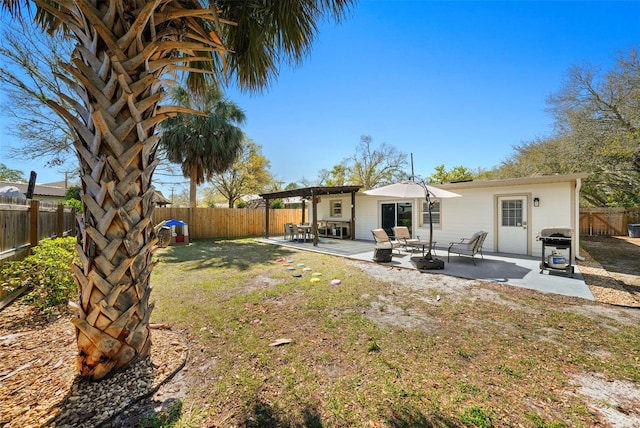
[512, 211]
[50, 192]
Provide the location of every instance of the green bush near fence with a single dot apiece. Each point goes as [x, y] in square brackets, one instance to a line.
[48, 269]
[276, 204]
[74, 203]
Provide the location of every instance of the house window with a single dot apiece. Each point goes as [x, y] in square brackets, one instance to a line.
[512, 213]
[435, 213]
[336, 208]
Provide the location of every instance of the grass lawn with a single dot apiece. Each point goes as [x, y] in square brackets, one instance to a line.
[428, 350]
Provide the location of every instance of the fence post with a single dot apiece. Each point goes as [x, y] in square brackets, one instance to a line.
[33, 223]
[73, 222]
[60, 223]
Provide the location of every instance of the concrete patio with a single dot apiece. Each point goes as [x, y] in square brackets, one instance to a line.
[516, 270]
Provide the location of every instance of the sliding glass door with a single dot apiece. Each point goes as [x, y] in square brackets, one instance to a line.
[396, 214]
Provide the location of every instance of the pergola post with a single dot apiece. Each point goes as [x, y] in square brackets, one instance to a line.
[313, 193]
[303, 211]
[266, 217]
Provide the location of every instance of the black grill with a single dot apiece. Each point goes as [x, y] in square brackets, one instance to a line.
[559, 238]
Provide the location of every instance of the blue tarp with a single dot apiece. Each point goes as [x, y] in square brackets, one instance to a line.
[174, 222]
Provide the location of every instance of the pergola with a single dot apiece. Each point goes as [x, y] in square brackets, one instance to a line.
[312, 193]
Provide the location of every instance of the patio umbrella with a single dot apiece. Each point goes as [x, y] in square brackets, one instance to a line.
[411, 189]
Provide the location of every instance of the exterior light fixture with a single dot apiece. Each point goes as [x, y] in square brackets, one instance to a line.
[536, 202]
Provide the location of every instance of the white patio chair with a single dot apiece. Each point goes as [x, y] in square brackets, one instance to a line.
[402, 234]
[383, 241]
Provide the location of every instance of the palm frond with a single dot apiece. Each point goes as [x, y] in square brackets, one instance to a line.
[270, 32]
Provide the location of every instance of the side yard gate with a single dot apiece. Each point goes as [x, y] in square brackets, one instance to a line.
[607, 221]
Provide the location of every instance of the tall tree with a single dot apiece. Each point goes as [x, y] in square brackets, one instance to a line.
[204, 144]
[598, 113]
[597, 130]
[124, 51]
[249, 174]
[337, 176]
[457, 173]
[13, 175]
[371, 167]
[31, 64]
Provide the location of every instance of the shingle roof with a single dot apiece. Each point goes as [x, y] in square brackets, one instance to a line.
[38, 190]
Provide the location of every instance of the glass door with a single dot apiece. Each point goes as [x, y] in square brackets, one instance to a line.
[388, 218]
[405, 214]
[512, 225]
[396, 214]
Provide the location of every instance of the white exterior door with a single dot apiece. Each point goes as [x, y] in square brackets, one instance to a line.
[512, 224]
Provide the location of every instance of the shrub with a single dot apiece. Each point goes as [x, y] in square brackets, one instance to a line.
[73, 192]
[48, 269]
[276, 204]
[74, 203]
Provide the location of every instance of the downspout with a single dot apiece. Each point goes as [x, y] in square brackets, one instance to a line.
[576, 219]
[353, 216]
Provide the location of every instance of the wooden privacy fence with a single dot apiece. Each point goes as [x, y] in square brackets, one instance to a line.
[228, 222]
[239, 223]
[607, 221]
[23, 223]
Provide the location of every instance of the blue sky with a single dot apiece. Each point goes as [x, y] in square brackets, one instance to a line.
[454, 83]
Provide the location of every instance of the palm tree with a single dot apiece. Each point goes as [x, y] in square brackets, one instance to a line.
[204, 144]
[125, 50]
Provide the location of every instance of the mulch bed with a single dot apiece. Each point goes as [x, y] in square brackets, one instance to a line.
[612, 269]
[38, 378]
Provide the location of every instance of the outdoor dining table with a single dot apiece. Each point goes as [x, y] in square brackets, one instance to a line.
[424, 245]
[306, 231]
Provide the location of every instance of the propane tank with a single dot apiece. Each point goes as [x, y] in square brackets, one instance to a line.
[557, 260]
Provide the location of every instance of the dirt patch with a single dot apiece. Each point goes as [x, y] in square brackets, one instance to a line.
[385, 312]
[618, 401]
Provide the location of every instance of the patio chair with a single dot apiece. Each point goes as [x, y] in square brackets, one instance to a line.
[287, 230]
[383, 241]
[403, 236]
[293, 232]
[468, 246]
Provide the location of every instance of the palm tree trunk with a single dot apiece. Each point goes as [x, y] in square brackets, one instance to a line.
[123, 50]
[193, 188]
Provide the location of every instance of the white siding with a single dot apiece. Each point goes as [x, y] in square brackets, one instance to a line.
[367, 216]
[476, 209]
[462, 217]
